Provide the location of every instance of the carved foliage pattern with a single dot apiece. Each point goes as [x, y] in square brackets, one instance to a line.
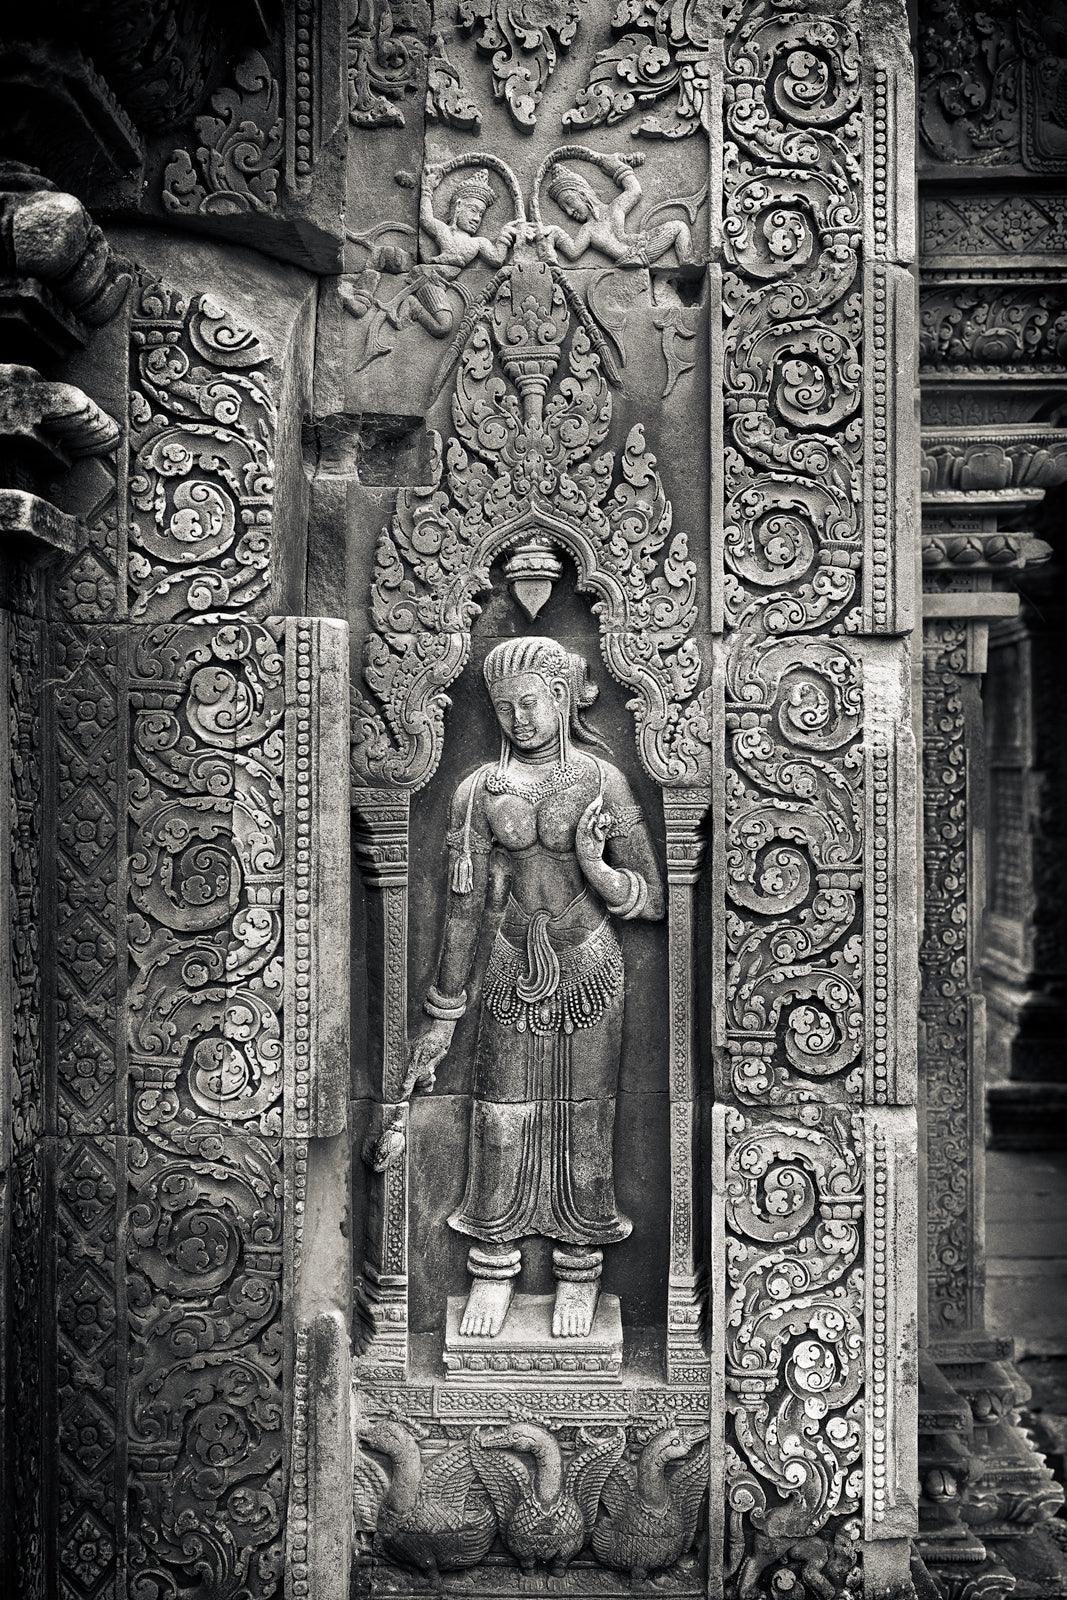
[84, 849]
[662, 56]
[792, 554]
[204, 1239]
[23, 1301]
[945, 979]
[86, 867]
[25, 675]
[386, 58]
[794, 797]
[234, 169]
[201, 462]
[991, 88]
[992, 325]
[523, 38]
[521, 463]
[86, 1361]
[795, 1350]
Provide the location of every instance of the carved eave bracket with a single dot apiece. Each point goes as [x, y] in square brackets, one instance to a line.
[44, 427]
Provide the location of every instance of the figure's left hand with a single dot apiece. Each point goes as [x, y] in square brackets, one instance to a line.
[591, 833]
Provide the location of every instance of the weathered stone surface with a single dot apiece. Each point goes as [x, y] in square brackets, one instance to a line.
[565, 352]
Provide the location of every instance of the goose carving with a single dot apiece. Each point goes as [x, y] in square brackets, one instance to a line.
[539, 1508]
[647, 1519]
[437, 1517]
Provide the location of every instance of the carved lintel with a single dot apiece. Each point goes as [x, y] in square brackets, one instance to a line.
[28, 523]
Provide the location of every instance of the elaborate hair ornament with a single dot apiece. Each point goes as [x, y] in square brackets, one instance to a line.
[564, 180]
[476, 187]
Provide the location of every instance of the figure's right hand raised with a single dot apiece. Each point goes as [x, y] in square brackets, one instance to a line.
[425, 1055]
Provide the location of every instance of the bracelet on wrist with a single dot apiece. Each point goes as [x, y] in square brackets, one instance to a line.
[445, 1007]
[636, 896]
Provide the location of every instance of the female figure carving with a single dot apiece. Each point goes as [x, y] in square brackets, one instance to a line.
[564, 827]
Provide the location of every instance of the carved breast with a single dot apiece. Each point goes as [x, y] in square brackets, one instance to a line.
[517, 824]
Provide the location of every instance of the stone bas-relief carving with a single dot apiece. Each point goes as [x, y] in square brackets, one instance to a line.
[576, 852]
[630, 1501]
[752, 651]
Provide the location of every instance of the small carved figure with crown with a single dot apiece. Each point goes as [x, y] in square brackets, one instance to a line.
[460, 240]
[602, 222]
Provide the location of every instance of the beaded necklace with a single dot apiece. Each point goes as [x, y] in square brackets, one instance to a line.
[563, 776]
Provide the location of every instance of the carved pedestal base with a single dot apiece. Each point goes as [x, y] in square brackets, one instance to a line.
[986, 1488]
[525, 1348]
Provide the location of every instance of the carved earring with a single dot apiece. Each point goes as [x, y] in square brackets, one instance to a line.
[505, 755]
[564, 738]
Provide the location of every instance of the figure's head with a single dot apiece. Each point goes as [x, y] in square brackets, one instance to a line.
[573, 194]
[674, 1443]
[471, 200]
[537, 687]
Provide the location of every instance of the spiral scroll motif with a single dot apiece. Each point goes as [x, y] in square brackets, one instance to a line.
[204, 1236]
[792, 552]
[793, 791]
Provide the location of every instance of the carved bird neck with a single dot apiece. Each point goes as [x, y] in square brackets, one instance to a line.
[548, 1463]
[403, 1450]
[652, 1487]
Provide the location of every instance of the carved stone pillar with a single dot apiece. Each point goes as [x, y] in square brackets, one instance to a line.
[179, 894]
[984, 1486]
[382, 822]
[685, 813]
[992, 386]
[1025, 955]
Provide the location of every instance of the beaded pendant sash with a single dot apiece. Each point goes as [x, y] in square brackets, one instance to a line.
[585, 979]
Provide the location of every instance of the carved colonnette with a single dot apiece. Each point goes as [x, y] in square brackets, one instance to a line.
[991, 379]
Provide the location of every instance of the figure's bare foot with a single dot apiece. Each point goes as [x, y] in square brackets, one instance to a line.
[575, 1308]
[487, 1306]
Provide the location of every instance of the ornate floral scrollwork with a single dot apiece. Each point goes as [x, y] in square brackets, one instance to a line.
[201, 484]
[792, 552]
[795, 1351]
[523, 39]
[240, 151]
[531, 405]
[665, 59]
[204, 1239]
[385, 61]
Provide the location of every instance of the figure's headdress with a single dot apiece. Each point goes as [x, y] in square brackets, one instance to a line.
[476, 187]
[549, 660]
[564, 180]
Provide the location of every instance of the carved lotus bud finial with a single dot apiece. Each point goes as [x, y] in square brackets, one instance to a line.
[531, 570]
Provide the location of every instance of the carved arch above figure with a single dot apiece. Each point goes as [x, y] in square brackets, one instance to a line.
[529, 409]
